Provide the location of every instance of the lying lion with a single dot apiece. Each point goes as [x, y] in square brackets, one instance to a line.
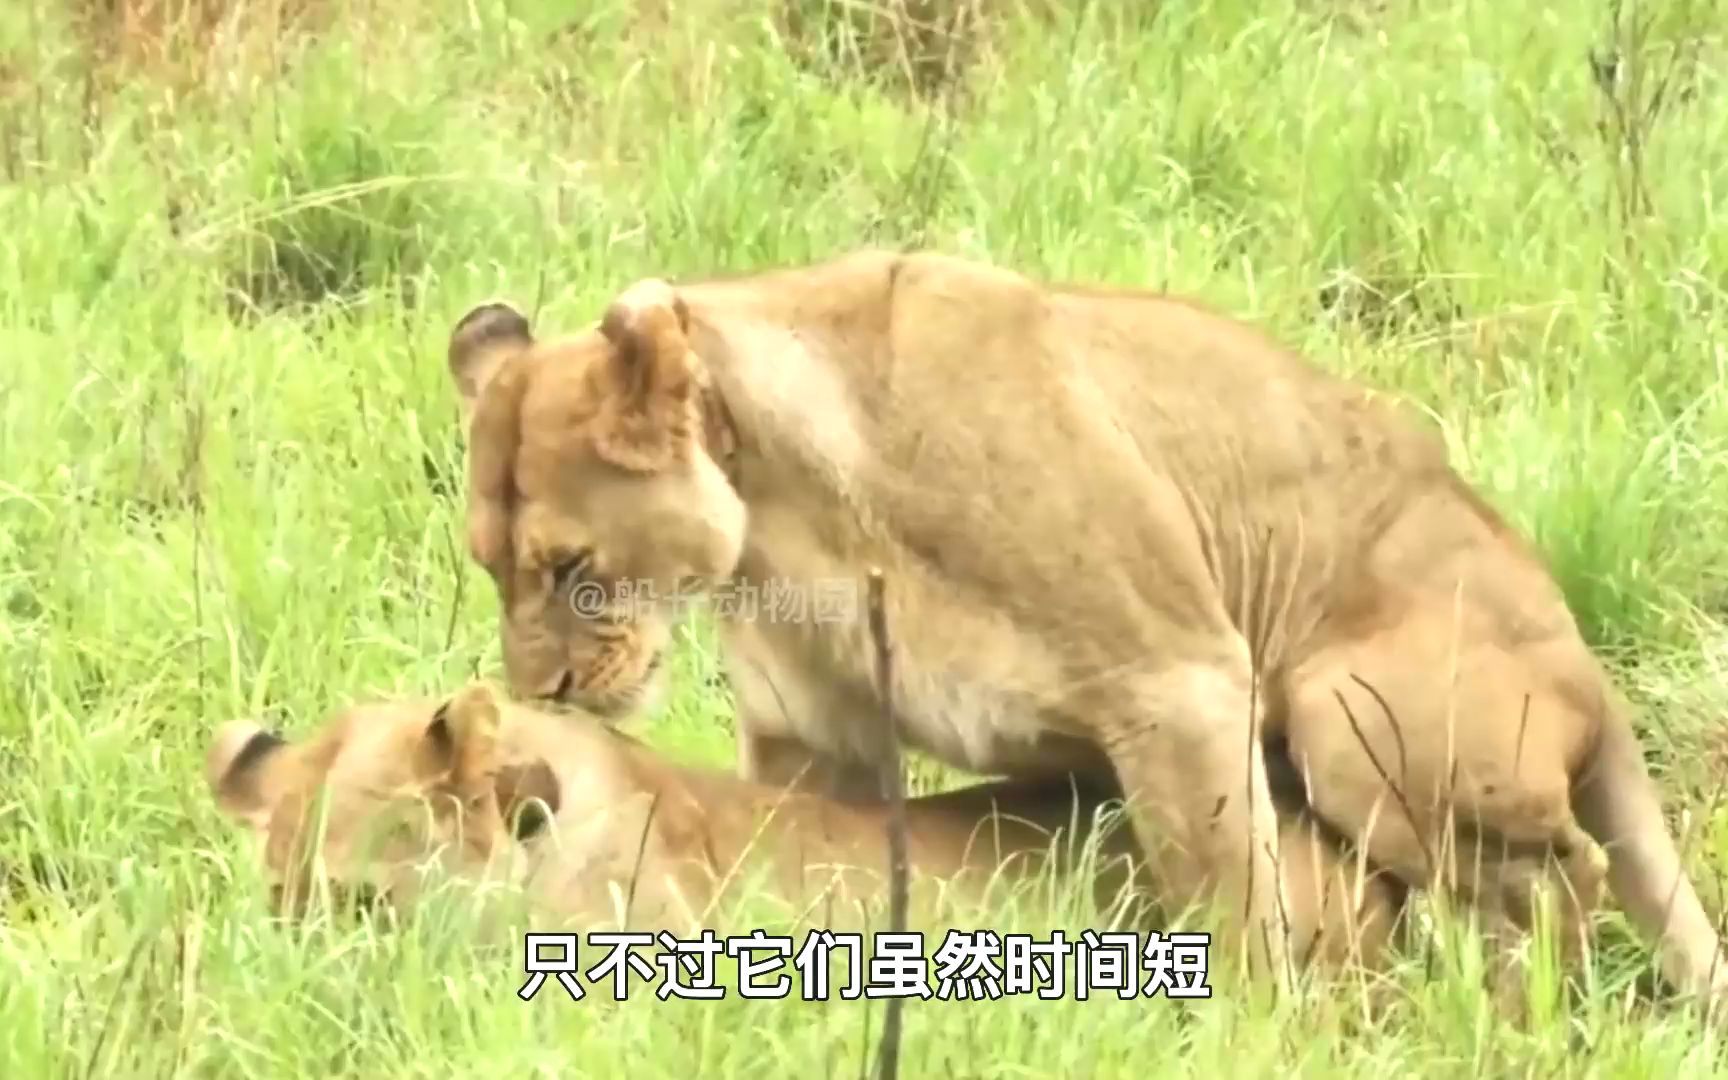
[1122, 535]
[586, 815]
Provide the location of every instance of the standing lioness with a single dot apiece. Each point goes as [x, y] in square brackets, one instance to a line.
[1118, 530]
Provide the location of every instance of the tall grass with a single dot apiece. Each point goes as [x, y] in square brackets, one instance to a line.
[235, 237]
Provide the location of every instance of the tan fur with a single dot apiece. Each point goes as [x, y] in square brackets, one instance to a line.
[1121, 533]
[404, 781]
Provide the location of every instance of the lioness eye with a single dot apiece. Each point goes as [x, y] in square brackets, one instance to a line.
[567, 571]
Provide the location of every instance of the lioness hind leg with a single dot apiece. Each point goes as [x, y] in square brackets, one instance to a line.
[1453, 773]
[1343, 912]
[1507, 897]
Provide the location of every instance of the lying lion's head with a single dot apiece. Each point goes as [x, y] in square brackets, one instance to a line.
[384, 788]
[594, 498]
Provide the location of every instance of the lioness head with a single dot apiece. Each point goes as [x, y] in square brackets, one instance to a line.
[394, 785]
[595, 500]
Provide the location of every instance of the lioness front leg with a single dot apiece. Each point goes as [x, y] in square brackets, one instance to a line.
[1185, 747]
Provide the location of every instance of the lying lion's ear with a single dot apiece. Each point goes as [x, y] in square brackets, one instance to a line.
[240, 768]
[528, 796]
[481, 341]
[650, 416]
[461, 742]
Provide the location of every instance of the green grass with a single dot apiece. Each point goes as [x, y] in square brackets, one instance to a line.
[228, 451]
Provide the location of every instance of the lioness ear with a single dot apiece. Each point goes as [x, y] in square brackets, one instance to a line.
[460, 745]
[240, 768]
[650, 418]
[528, 796]
[481, 341]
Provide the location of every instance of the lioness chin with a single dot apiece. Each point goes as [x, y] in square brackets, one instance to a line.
[1122, 535]
[579, 815]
